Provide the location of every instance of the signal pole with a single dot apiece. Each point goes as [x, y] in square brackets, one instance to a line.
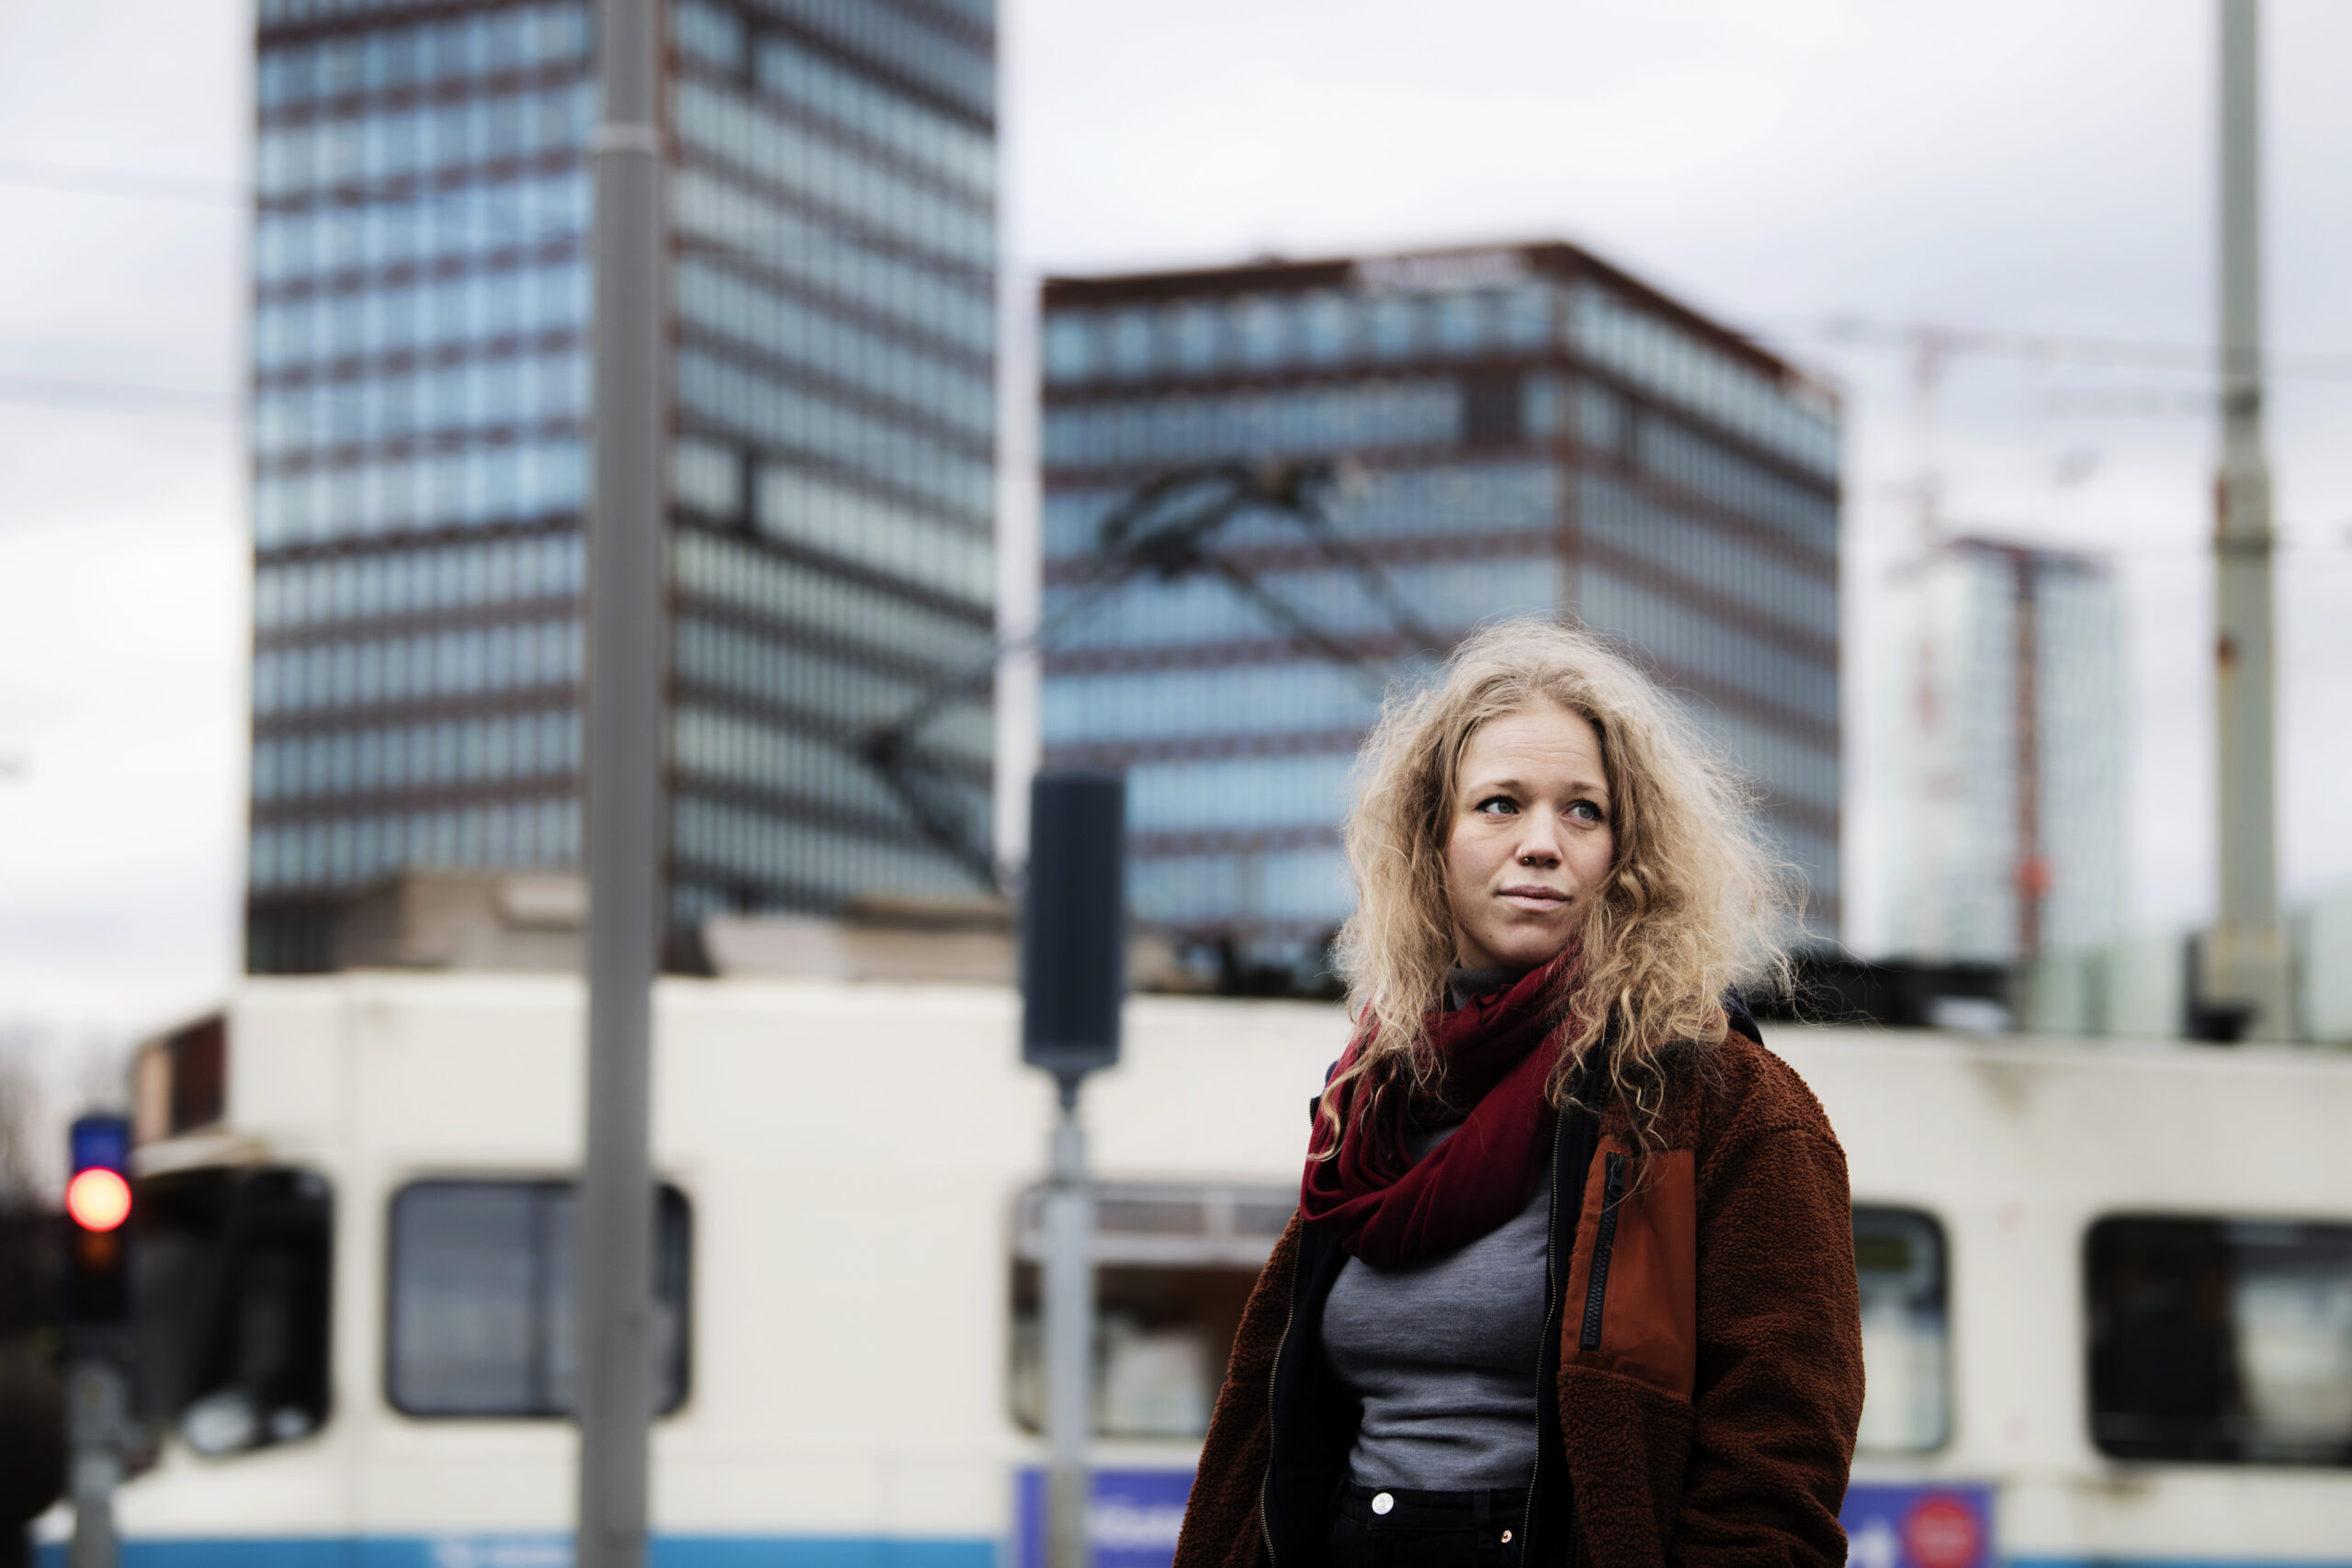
[615, 1251]
[1068, 1302]
[98, 1428]
[2245, 960]
[1073, 979]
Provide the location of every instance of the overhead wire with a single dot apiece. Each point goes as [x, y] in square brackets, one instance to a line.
[1164, 529]
[196, 402]
[2055, 348]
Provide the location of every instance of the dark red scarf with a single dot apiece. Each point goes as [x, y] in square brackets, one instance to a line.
[1386, 1207]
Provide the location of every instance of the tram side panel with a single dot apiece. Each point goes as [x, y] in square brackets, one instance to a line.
[2021, 1148]
[854, 1163]
[852, 1156]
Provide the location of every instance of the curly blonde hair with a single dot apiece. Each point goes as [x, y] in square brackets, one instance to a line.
[1695, 902]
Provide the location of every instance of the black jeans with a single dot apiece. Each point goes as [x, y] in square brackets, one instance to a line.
[1427, 1530]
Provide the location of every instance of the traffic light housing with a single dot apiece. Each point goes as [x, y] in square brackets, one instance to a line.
[1074, 924]
[97, 1225]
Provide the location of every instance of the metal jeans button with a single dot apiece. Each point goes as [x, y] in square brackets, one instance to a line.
[1382, 1502]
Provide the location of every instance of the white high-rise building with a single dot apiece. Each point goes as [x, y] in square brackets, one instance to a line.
[2007, 817]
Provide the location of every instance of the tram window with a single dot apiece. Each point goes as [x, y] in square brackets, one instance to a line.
[2220, 1341]
[1899, 1264]
[1173, 1266]
[231, 1275]
[481, 1299]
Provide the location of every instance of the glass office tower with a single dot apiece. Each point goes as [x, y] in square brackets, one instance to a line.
[420, 417]
[2004, 828]
[1521, 430]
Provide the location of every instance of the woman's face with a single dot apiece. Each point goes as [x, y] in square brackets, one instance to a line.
[1530, 842]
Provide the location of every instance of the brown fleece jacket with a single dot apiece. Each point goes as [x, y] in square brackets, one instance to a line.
[1708, 1401]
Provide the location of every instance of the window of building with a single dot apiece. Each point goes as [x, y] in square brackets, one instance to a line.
[483, 1323]
[1523, 316]
[1174, 1265]
[1066, 348]
[951, 66]
[1602, 420]
[1257, 328]
[1127, 341]
[1194, 337]
[1209, 793]
[708, 478]
[1460, 323]
[1324, 325]
[2220, 1341]
[709, 32]
[247, 1259]
[1394, 319]
[1491, 408]
[1899, 1264]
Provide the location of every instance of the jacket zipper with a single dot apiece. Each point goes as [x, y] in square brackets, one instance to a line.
[1596, 1293]
[1550, 1327]
[1266, 1482]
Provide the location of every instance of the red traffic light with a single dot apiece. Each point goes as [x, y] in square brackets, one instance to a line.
[98, 1199]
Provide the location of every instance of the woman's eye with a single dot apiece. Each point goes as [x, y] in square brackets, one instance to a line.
[1586, 811]
[1497, 806]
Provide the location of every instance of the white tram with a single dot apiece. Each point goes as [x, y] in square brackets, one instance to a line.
[2107, 1287]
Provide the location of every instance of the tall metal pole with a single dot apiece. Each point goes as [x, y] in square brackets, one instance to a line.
[1070, 1340]
[98, 1429]
[1020, 568]
[2032, 871]
[615, 1253]
[1073, 978]
[2247, 964]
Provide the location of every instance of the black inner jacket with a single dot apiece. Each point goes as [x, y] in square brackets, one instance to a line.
[1314, 1419]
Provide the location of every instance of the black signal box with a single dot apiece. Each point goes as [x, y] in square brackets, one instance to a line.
[1074, 924]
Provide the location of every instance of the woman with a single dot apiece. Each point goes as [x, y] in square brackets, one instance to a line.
[1572, 1275]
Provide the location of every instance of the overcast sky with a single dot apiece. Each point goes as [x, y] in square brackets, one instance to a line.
[2035, 168]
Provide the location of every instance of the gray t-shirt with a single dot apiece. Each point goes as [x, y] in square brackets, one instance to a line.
[1445, 1352]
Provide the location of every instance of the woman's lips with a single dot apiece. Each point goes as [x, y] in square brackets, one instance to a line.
[1539, 900]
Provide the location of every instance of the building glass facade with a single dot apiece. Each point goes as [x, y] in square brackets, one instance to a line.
[421, 411]
[1533, 431]
[2006, 825]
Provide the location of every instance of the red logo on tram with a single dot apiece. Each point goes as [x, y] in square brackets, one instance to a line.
[1942, 1532]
